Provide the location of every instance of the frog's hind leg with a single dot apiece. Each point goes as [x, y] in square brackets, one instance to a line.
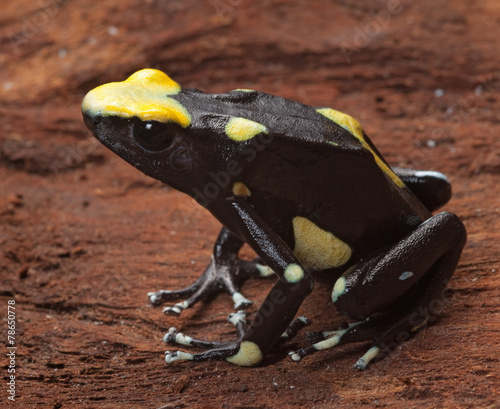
[432, 188]
[224, 273]
[397, 291]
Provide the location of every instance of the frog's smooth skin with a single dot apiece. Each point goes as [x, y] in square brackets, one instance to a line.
[306, 189]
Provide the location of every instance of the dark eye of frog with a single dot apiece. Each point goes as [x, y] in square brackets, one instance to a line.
[154, 136]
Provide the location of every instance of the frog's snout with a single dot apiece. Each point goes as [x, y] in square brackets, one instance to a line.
[89, 120]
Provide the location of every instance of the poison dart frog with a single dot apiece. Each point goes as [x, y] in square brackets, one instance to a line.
[307, 190]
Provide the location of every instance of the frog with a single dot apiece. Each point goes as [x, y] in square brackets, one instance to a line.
[306, 189]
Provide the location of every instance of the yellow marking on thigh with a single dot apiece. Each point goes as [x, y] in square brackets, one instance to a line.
[318, 249]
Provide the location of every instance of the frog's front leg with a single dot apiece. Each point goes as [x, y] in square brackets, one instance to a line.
[225, 272]
[277, 311]
[395, 292]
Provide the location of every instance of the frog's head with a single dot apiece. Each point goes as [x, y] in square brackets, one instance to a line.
[139, 121]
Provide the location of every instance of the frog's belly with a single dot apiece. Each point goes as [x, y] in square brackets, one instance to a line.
[318, 249]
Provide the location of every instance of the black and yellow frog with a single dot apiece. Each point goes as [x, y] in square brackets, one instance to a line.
[307, 190]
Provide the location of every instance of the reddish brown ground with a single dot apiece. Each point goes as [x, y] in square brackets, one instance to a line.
[84, 236]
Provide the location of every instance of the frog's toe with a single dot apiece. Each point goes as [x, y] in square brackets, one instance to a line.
[175, 337]
[172, 356]
[327, 343]
[159, 297]
[363, 362]
[360, 364]
[176, 310]
[215, 279]
[240, 302]
[354, 332]
[295, 326]
[238, 319]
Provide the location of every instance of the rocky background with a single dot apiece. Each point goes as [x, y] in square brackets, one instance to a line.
[84, 236]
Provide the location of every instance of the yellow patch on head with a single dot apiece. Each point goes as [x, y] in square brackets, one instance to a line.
[242, 129]
[351, 125]
[240, 189]
[249, 354]
[316, 248]
[143, 94]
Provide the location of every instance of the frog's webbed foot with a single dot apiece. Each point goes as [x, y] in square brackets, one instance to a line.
[355, 332]
[217, 278]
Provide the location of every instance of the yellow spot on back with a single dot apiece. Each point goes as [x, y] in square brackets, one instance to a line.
[351, 125]
[249, 354]
[244, 90]
[240, 189]
[242, 129]
[143, 94]
[316, 248]
[293, 273]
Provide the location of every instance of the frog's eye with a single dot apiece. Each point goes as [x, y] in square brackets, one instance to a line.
[153, 135]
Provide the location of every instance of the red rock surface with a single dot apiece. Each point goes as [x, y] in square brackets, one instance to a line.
[84, 236]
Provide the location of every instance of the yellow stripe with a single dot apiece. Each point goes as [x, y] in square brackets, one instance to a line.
[350, 124]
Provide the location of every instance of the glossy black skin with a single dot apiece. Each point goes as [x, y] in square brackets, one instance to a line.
[295, 170]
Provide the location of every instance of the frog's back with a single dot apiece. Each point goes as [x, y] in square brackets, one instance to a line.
[314, 161]
[288, 121]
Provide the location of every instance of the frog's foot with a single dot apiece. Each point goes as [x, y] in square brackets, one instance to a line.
[238, 352]
[385, 331]
[214, 350]
[215, 279]
[329, 339]
[238, 319]
[379, 329]
[295, 326]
